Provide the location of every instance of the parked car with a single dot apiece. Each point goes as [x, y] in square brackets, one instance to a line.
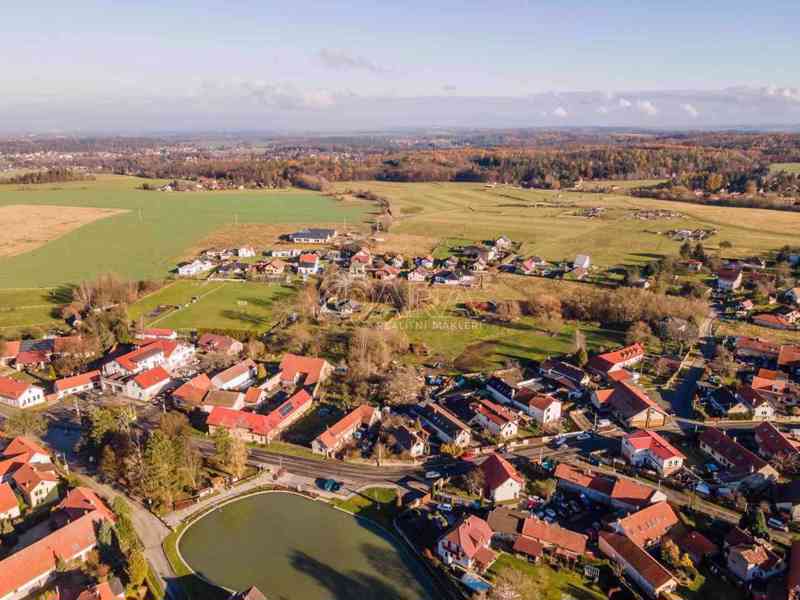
[445, 507]
[433, 475]
[329, 485]
[584, 436]
[777, 524]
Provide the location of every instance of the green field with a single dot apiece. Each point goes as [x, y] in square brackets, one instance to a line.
[475, 345]
[219, 305]
[21, 308]
[157, 231]
[546, 223]
[788, 167]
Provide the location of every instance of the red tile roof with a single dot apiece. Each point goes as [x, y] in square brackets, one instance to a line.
[552, 534]
[233, 372]
[253, 395]
[293, 366]
[237, 419]
[608, 360]
[644, 439]
[629, 400]
[158, 332]
[697, 545]
[193, 391]
[218, 343]
[151, 377]
[637, 557]
[771, 441]
[331, 436]
[31, 357]
[8, 500]
[130, 361]
[41, 557]
[11, 349]
[28, 476]
[470, 536]
[624, 490]
[757, 345]
[11, 388]
[82, 500]
[21, 445]
[789, 356]
[528, 546]
[67, 383]
[649, 524]
[497, 470]
[741, 458]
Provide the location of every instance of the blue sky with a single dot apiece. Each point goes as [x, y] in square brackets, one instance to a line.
[144, 65]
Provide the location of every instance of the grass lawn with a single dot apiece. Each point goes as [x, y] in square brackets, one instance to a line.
[546, 223]
[146, 241]
[20, 308]
[291, 450]
[474, 345]
[375, 504]
[220, 305]
[546, 583]
[705, 587]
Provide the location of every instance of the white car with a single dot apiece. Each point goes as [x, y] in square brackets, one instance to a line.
[433, 475]
[583, 436]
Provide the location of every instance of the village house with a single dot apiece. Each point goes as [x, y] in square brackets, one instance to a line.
[261, 429]
[737, 459]
[191, 393]
[647, 526]
[503, 481]
[496, 419]
[312, 236]
[751, 561]
[254, 397]
[649, 574]
[36, 482]
[78, 502]
[215, 398]
[756, 401]
[649, 449]
[308, 264]
[631, 405]
[330, 441]
[147, 384]
[565, 374]
[557, 539]
[21, 451]
[169, 354]
[245, 252]
[618, 492]
[729, 279]
[212, 342]
[307, 372]
[410, 441]
[467, 545]
[772, 442]
[447, 427]
[194, 268]
[544, 408]
[9, 505]
[582, 261]
[748, 347]
[614, 365]
[787, 498]
[31, 568]
[157, 333]
[20, 394]
[237, 377]
[418, 275]
[789, 358]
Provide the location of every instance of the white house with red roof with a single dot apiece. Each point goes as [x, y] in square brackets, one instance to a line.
[308, 264]
[649, 448]
[301, 371]
[212, 342]
[554, 537]
[191, 393]
[503, 481]
[467, 545]
[729, 279]
[21, 451]
[157, 333]
[631, 405]
[619, 492]
[772, 442]
[340, 433]
[24, 572]
[76, 384]
[169, 354]
[147, 384]
[612, 364]
[257, 428]
[36, 482]
[20, 394]
[496, 419]
[646, 527]
[239, 376]
[9, 504]
[649, 574]
[544, 408]
[738, 460]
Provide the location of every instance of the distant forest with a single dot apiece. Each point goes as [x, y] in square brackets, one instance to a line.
[58, 175]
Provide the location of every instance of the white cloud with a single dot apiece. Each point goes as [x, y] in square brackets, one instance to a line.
[623, 103]
[646, 108]
[603, 110]
[690, 110]
[782, 92]
[560, 112]
[342, 60]
[288, 97]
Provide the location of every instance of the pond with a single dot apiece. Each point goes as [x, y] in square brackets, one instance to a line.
[292, 548]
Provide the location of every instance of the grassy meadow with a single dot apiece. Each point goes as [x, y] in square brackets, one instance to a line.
[219, 305]
[155, 232]
[788, 167]
[547, 224]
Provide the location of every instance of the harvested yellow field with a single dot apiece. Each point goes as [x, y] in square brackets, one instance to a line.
[29, 226]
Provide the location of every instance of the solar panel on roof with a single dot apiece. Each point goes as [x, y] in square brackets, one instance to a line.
[285, 409]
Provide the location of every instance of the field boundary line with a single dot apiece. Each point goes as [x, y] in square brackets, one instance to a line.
[199, 298]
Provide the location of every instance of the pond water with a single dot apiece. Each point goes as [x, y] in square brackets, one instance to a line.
[292, 548]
